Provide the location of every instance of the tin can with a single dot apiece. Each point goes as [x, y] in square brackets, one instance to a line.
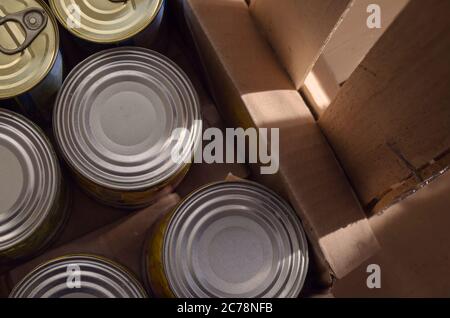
[31, 66]
[33, 197]
[79, 276]
[228, 240]
[114, 121]
[100, 23]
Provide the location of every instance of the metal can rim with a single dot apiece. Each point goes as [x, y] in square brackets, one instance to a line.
[174, 217]
[94, 174]
[134, 282]
[100, 41]
[53, 170]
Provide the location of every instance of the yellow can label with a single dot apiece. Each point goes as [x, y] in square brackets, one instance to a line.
[127, 199]
[154, 262]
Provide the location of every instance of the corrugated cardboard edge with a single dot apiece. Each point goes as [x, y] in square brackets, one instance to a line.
[392, 116]
[343, 247]
[410, 186]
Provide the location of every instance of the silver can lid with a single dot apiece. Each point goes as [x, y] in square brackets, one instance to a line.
[79, 276]
[29, 179]
[233, 240]
[115, 116]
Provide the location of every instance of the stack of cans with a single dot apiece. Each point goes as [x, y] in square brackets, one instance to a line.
[113, 120]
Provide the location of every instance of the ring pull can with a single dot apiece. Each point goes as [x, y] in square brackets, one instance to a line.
[32, 21]
[102, 24]
[30, 63]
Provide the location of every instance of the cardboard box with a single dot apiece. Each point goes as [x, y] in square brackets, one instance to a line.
[254, 80]
[251, 88]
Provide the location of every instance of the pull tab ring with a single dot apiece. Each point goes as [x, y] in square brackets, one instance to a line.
[32, 21]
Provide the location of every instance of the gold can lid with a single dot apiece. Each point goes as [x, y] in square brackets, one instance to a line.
[29, 43]
[106, 21]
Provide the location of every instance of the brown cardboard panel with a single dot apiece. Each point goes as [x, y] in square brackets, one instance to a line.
[393, 116]
[251, 88]
[122, 242]
[320, 88]
[346, 49]
[415, 248]
[298, 30]
[353, 39]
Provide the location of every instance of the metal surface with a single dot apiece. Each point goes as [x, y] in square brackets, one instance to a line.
[30, 187]
[114, 118]
[79, 276]
[32, 21]
[105, 21]
[235, 239]
[21, 69]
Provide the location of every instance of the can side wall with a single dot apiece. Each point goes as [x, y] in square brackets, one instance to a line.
[155, 34]
[46, 233]
[38, 103]
[154, 271]
[126, 199]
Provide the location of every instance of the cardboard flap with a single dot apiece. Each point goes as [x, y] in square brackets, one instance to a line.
[353, 39]
[414, 259]
[252, 89]
[391, 119]
[298, 30]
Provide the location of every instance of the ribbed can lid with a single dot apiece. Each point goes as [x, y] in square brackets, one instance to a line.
[235, 239]
[115, 116]
[106, 21]
[23, 70]
[79, 276]
[29, 179]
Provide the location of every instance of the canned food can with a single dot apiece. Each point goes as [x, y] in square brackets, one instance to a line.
[79, 276]
[33, 197]
[31, 66]
[228, 240]
[110, 22]
[114, 123]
